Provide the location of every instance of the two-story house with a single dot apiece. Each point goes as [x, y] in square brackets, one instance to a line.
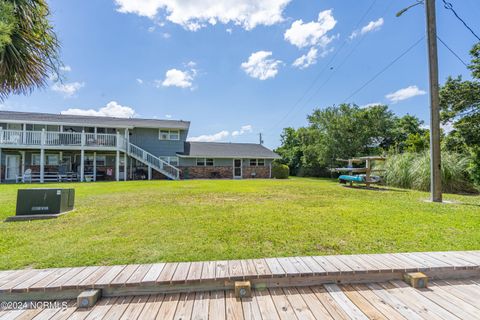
[41, 147]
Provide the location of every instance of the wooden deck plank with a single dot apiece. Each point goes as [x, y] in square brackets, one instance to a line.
[301, 266]
[123, 276]
[403, 264]
[185, 306]
[168, 307]
[326, 265]
[251, 309]
[387, 310]
[373, 263]
[289, 267]
[284, 308]
[423, 302]
[200, 306]
[64, 313]
[248, 268]
[28, 314]
[138, 275]
[135, 308]
[266, 305]
[233, 307]
[263, 271]
[437, 261]
[394, 302]
[153, 273]
[346, 264]
[75, 281]
[313, 265]
[473, 309]
[90, 280]
[181, 273]
[347, 305]
[363, 304]
[117, 310]
[301, 309]
[56, 274]
[315, 305]
[329, 303]
[221, 270]
[151, 308]
[424, 265]
[101, 308]
[452, 259]
[195, 272]
[445, 302]
[167, 273]
[216, 308]
[25, 285]
[467, 286]
[108, 277]
[466, 256]
[276, 269]
[208, 271]
[59, 281]
[235, 270]
[16, 280]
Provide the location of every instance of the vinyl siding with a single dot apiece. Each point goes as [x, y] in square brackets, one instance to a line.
[148, 139]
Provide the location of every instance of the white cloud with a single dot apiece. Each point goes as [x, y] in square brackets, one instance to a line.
[139, 81]
[178, 78]
[68, 89]
[446, 127]
[112, 109]
[405, 93]
[194, 14]
[311, 33]
[371, 104]
[151, 29]
[244, 129]
[222, 135]
[166, 35]
[260, 67]
[306, 60]
[371, 26]
[168, 116]
[210, 138]
[66, 68]
[229, 30]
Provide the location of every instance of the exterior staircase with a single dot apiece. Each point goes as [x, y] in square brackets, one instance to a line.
[152, 161]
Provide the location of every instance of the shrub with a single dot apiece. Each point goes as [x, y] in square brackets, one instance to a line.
[412, 171]
[280, 171]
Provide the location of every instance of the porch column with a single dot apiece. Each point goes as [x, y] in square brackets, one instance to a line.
[23, 162]
[149, 173]
[95, 166]
[24, 135]
[125, 167]
[82, 165]
[42, 165]
[117, 166]
[0, 162]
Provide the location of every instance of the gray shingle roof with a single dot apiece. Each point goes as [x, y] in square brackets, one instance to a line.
[33, 117]
[227, 150]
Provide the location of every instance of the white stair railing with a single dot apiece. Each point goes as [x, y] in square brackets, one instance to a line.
[160, 165]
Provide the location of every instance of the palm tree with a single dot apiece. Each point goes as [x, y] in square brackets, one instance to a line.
[28, 46]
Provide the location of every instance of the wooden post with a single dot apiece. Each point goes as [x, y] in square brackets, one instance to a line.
[117, 166]
[95, 165]
[82, 165]
[125, 166]
[42, 165]
[149, 173]
[24, 135]
[367, 173]
[0, 160]
[23, 162]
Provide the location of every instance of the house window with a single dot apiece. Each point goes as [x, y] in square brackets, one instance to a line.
[257, 162]
[169, 135]
[200, 161]
[50, 159]
[209, 162]
[173, 161]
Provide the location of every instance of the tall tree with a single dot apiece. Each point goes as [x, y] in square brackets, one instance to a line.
[28, 46]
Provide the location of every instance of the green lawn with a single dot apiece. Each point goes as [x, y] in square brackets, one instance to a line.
[143, 222]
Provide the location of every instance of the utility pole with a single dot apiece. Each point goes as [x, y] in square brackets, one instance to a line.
[435, 152]
[261, 139]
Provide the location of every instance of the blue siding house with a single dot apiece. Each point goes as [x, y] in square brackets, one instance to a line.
[41, 147]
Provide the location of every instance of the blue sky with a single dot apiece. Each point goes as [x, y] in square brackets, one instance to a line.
[235, 68]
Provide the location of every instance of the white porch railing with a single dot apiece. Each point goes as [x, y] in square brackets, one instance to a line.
[153, 161]
[52, 138]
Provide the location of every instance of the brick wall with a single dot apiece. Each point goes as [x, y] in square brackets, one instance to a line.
[256, 172]
[216, 172]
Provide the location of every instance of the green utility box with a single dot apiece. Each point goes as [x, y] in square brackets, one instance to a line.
[44, 201]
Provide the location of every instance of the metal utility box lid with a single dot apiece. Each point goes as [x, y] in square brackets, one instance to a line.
[44, 201]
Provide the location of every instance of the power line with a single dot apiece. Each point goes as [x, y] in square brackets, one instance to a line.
[384, 69]
[449, 6]
[296, 104]
[453, 52]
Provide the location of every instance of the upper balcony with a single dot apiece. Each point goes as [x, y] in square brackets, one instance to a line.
[61, 140]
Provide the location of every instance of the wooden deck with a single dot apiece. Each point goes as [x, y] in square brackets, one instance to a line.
[452, 299]
[120, 280]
